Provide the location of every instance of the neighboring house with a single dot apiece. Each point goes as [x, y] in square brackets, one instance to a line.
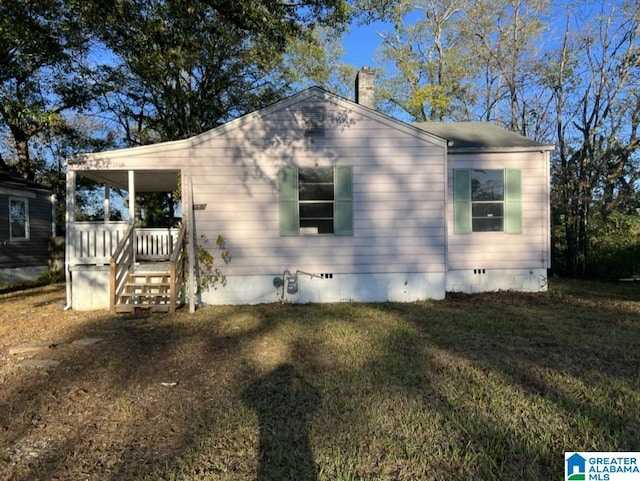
[27, 213]
[321, 199]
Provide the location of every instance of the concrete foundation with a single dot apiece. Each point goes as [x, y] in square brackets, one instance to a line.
[490, 280]
[90, 287]
[328, 288]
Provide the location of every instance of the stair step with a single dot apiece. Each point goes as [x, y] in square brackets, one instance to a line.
[150, 273]
[150, 307]
[143, 286]
[145, 295]
[150, 279]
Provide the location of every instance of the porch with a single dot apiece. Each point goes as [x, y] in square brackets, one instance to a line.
[145, 266]
[120, 265]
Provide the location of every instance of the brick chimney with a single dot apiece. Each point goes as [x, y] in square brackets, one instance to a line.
[364, 87]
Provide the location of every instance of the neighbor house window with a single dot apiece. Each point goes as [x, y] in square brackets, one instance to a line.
[18, 218]
[487, 201]
[315, 201]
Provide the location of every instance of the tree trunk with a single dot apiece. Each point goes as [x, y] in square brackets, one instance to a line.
[21, 140]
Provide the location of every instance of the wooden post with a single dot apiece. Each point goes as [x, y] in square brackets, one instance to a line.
[173, 296]
[107, 206]
[132, 208]
[191, 243]
[69, 217]
[132, 197]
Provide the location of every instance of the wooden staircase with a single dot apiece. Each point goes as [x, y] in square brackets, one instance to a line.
[148, 290]
[154, 286]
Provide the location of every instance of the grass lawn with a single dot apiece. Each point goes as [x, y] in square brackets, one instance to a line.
[475, 387]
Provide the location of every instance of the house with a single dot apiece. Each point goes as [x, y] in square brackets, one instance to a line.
[321, 199]
[27, 225]
[576, 466]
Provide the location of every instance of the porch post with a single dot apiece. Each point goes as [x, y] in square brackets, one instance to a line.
[107, 200]
[188, 208]
[132, 209]
[132, 196]
[69, 217]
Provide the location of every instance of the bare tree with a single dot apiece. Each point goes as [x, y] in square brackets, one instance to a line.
[595, 85]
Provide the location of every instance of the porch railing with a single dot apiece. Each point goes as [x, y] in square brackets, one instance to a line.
[94, 243]
[155, 244]
[177, 265]
[120, 264]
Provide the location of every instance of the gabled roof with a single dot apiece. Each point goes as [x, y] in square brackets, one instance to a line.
[17, 183]
[309, 93]
[480, 136]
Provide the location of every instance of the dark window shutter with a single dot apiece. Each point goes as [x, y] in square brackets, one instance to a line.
[343, 206]
[513, 202]
[288, 200]
[461, 201]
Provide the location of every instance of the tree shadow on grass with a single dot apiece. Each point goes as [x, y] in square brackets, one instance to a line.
[283, 400]
[117, 420]
[492, 365]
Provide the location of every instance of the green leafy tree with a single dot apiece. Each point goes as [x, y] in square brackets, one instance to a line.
[182, 69]
[42, 74]
[427, 69]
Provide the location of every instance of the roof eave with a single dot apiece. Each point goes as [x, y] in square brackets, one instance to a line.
[489, 150]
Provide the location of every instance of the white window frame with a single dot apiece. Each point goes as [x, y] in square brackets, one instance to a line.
[25, 202]
[304, 203]
[478, 204]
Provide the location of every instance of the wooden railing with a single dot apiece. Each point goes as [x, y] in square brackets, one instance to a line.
[120, 264]
[177, 264]
[94, 243]
[155, 244]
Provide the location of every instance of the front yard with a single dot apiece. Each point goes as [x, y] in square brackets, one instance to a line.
[487, 387]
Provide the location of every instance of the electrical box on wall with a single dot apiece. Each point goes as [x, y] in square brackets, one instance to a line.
[292, 284]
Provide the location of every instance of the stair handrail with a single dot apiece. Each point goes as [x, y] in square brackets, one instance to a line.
[120, 265]
[176, 268]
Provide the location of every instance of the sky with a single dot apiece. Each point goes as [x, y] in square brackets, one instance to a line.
[361, 43]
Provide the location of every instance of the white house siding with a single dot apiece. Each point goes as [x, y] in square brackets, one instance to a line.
[403, 247]
[397, 250]
[485, 261]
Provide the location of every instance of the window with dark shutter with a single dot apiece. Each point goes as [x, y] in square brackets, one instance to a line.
[487, 201]
[316, 200]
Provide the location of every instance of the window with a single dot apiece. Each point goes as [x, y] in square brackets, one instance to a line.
[315, 201]
[487, 201]
[18, 219]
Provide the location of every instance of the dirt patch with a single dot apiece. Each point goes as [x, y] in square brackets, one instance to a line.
[82, 394]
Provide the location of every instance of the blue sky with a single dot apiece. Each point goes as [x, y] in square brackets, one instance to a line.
[361, 43]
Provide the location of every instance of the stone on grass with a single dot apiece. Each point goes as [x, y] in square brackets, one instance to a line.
[27, 348]
[87, 341]
[39, 363]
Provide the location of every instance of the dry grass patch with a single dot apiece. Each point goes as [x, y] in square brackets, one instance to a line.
[492, 386]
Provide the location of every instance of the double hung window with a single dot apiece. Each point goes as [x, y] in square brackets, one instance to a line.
[487, 201]
[315, 201]
[18, 218]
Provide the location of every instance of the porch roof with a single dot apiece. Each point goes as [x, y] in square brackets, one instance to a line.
[146, 180]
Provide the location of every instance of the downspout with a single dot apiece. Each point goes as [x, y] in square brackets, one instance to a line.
[446, 214]
[548, 209]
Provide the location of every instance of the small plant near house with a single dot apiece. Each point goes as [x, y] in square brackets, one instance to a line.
[209, 274]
